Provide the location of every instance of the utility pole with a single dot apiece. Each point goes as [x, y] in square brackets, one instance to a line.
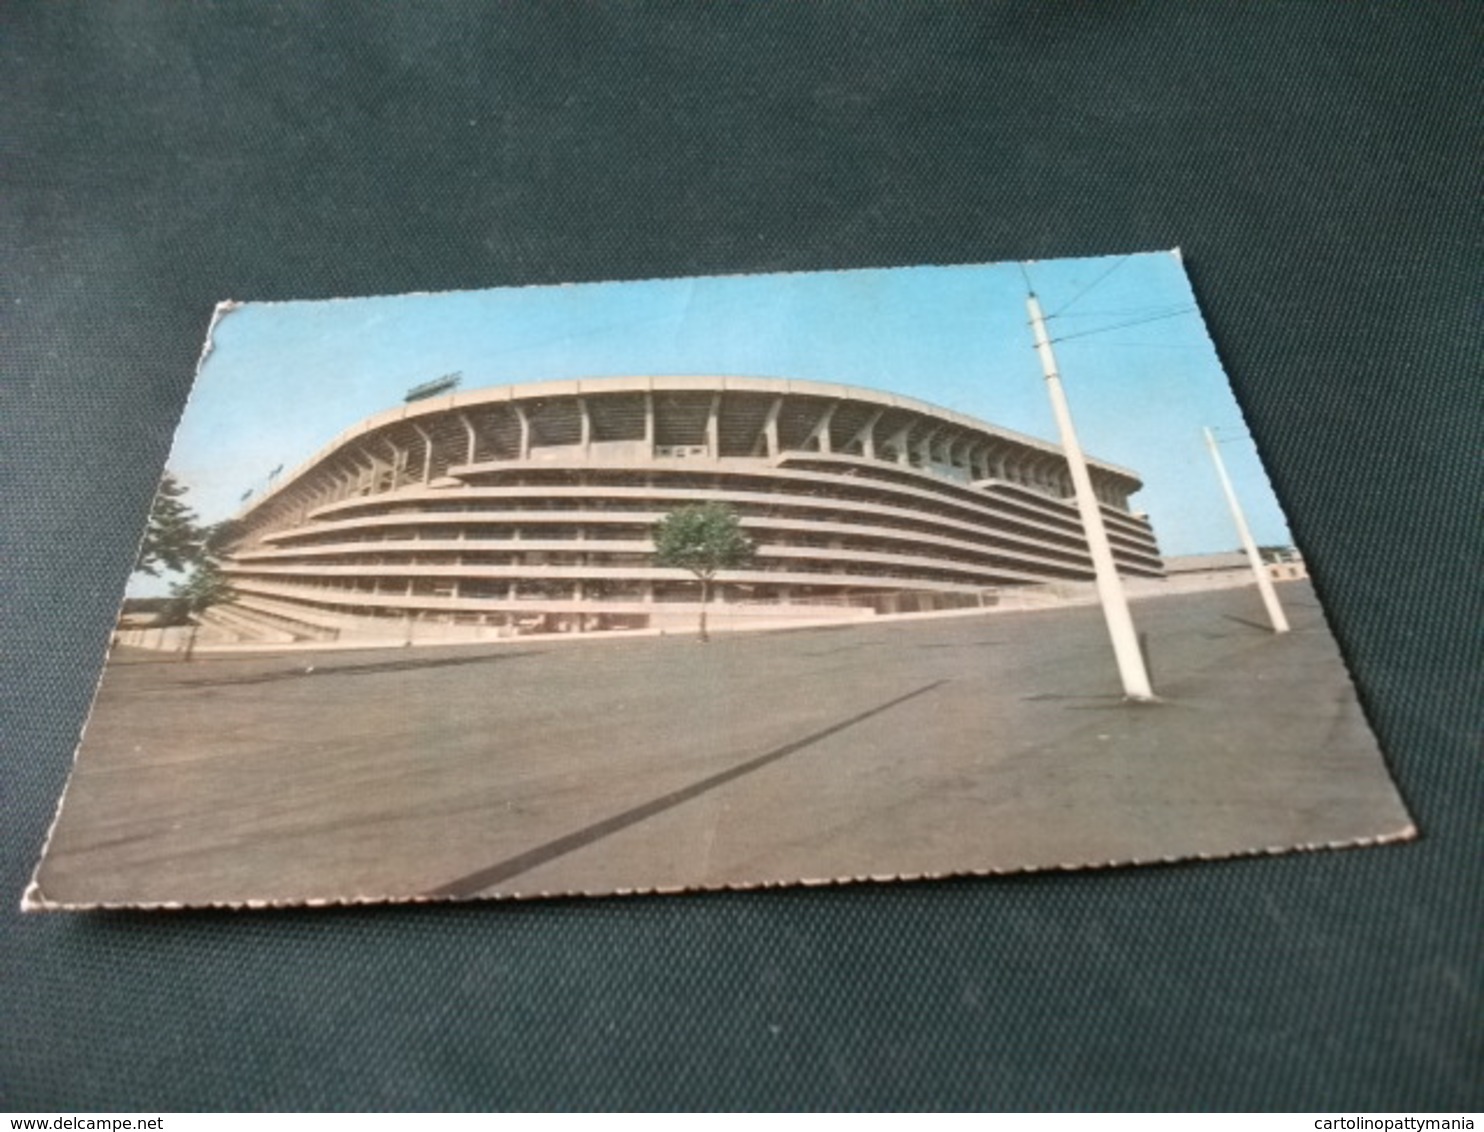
[1110, 589]
[1264, 582]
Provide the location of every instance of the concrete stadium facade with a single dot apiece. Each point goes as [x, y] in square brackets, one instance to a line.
[530, 508]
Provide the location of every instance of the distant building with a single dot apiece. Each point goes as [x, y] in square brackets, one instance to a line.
[1205, 563]
[1289, 567]
[530, 508]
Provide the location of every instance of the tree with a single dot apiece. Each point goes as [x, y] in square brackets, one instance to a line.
[702, 539]
[172, 540]
[189, 599]
[217, 538]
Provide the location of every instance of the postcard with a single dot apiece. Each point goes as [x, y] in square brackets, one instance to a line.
[727, 582]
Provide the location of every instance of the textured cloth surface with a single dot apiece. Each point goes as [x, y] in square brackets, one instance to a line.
[1317, 163]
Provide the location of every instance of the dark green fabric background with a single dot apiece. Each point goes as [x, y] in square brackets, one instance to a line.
[1319, 164]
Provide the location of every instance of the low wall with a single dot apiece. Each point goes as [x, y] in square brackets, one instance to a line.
[678, 617]
[667, 617]
[173, 638]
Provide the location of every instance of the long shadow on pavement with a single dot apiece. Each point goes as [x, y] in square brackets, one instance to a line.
[318, 672]
[513, 866]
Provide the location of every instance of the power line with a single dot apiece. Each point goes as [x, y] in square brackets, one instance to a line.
[1121, 325]
[1146, 345]
[1126, 312]
[1059, 310]
[1234, 434]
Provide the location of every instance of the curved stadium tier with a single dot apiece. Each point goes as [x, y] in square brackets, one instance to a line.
[530, 508]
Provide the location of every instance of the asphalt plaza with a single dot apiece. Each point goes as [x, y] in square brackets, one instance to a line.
[972, 744]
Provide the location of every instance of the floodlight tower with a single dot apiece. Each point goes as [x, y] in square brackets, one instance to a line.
[1131, 668]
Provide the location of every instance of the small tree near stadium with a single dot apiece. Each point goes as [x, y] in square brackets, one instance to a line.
[172, 540]
[205, 587]
[703, 539]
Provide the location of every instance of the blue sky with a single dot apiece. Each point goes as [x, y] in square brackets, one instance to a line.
[283, 379]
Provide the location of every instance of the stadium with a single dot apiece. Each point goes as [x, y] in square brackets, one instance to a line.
[530, 508]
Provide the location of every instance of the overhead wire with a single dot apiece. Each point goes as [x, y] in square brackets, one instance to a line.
[1121, 325]
[1063, 308]
[1123, 312]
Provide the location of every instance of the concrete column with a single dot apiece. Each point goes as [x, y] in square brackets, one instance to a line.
[398, 465]
[473, 437]
[1000, 470]
[1041, 470]
[979, 461]
[713, 428]
[961, 453]
[941, 450]
[821, 429]
[925, 447]
[587, 426]
[866, 436]
[427, 454]
[525, 430]
[901, 440]
[964, 459]
[770, 427]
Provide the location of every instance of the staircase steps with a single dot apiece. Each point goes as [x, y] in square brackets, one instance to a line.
[271, 624]
[245, 627]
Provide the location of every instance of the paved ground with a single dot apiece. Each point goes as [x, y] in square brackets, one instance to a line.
[892, 749]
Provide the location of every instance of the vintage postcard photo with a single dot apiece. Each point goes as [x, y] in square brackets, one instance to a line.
[711, 583]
